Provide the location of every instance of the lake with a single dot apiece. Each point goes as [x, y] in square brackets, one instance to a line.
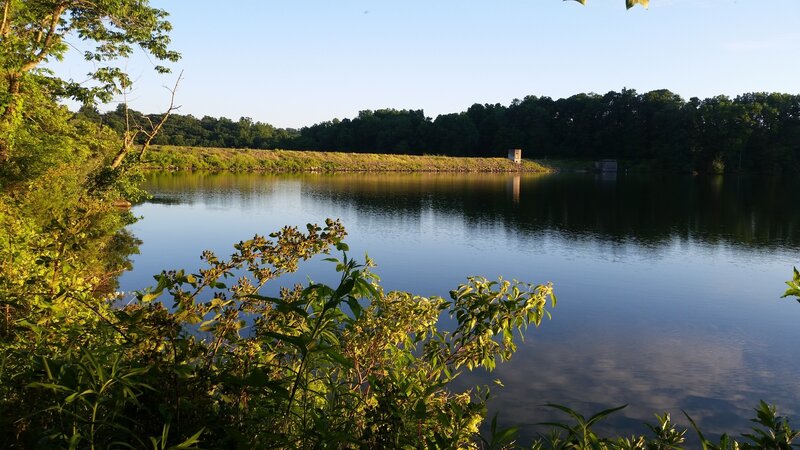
[668, 287]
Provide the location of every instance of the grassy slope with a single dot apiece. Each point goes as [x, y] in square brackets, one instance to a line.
[198, 158]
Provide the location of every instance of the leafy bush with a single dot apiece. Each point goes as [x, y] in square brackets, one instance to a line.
[349, 365]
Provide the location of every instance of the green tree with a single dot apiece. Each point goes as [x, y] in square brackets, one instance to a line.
[34, 31]
[454, 134]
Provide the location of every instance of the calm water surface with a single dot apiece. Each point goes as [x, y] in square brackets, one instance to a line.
[668, 287]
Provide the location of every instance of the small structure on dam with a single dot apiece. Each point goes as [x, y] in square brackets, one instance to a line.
[606, 165]
[515, 155]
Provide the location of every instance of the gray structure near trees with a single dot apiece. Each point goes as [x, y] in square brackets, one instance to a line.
[606, 165]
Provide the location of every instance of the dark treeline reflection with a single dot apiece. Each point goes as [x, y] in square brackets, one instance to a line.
[751, 132]
[737, 210]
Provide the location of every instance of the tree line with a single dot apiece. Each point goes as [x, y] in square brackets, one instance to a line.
[752, 132]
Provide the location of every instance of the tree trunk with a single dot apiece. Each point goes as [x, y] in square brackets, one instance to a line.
[127, 143]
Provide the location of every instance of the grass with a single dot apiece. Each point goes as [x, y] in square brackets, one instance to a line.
[247, 160]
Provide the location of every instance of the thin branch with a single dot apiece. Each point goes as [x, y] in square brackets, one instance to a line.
[5, 26]
[154, 130]
[130, 135]
[125, 105]
[150, 122]
[105, 319]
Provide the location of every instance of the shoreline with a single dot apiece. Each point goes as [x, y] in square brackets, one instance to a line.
[178, 159]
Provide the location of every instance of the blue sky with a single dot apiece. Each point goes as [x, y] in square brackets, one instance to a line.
[295, 62]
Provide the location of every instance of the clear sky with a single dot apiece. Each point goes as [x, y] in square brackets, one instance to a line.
[297, 62]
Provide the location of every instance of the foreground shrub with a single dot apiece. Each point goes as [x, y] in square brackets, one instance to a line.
[216, 361]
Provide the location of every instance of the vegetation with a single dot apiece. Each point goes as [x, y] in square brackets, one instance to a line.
[32, 33]
[794, 286]
[187, 158]
[208, 359]
[347, 365]
[752, 132]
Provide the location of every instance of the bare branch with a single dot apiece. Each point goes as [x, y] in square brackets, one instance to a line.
[150, 122]
[154, 131]
[131, 134]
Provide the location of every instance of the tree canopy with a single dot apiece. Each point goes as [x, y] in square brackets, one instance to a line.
[33, 32]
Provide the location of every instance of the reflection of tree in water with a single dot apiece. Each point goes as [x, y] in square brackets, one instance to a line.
[652, 211]
[648, 209]
[117, 258]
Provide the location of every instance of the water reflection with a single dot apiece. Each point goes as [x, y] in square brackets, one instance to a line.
[750, 211]
[715, 376]
[668, 287]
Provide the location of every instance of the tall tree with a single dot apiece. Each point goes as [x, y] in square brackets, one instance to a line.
[33, 32]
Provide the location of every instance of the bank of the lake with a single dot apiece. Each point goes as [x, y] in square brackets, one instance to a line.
[249, 160]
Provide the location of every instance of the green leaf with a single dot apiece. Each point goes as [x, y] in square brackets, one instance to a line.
[505, 435]
[575, 415]
[190, 442]
[333, 354]
[344, 288]
[301, 342]
[631, 3]
[365, 287]
[55, 387]
[208, 325]
[604, 413]
[355, 307]
[150, 296]
[794, 286]
[703, 441]
[263, 298]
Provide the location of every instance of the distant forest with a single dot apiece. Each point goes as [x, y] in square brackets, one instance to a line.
[755, 132]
